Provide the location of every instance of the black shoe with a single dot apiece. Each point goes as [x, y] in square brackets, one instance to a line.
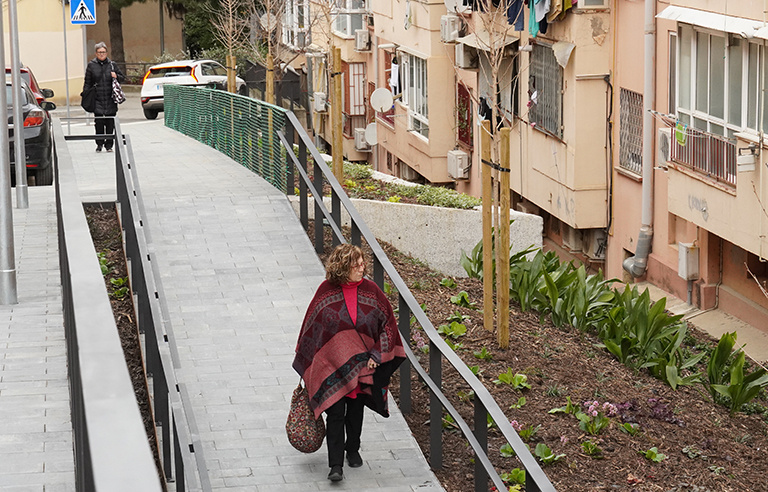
[336, 474]
[109, 149]
[354, 459]
[98, 149]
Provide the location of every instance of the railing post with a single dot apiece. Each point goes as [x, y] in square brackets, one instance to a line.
[356, 237]
[404, 325]
[336, 215]
[435, 410]
[318, 182]
[289, 186]
[481, 434]
[378, 273]
[303, 212]
[530, 483]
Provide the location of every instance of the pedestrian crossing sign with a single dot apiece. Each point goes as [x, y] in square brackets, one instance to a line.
[83, 11]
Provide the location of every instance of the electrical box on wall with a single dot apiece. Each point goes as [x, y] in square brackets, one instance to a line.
[319, 102]
[688, 261]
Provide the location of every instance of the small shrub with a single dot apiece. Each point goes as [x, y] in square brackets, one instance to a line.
[590, 448]
[448, 282]
[545, 455]
[653, 455]
[462, 300]
[483, 354]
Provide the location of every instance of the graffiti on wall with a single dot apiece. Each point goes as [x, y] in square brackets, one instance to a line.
[699, 205]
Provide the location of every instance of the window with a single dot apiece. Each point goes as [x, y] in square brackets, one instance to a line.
[718, 76]
[631, 131]
[672, 87]
[506, 91]
[415, 93]
[349, 16]
[463, 115]
[296, 23]
[353, 94]
[546, 91]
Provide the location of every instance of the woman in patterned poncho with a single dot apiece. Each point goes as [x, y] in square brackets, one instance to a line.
[347, 351]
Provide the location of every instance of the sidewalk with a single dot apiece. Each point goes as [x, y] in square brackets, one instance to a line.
[36, 431]
[238, 272]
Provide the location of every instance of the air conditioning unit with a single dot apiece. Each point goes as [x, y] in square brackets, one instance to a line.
[572, 238]
[449, 28]
[663, 146]
[319, 102]
[458, 164]
[466, 57]
[361, 143]
[594, 244]
[408, 173]
[362, 40]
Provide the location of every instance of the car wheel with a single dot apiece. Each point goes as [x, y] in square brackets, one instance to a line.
[44, 177]
[150, 114]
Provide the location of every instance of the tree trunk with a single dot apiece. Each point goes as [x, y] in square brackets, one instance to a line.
[117, 52]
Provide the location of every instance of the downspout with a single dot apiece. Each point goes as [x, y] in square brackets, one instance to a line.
[637, 265]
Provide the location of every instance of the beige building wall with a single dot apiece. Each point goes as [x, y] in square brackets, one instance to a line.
[726, 223]
[41, 46]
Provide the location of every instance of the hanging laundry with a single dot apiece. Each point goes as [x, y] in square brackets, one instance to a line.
[555, 10]
[516, 14]
[533, 24]
[542, 8]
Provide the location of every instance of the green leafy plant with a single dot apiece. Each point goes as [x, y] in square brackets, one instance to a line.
[545, 455]
[453, 345]
[394, 199]
[553, 390]
[119, 282]
[693, 451]
[483, 354]
[448, 282]
[590, 448]
[475, 370]
[462, 300]
[526, 433]
[457, 317]
[717, 470]
[630, 428]
[653, 455]
[596, 417]
[515, 475]
[569, 407]
[103, 263]
[506, 451]
[466, 396]
[357, 171]
[454, 330]
[348, 183]
[516, 380]
[742, 388]
[520, 402]
[489, 421]
[120, 293]
[388, 289]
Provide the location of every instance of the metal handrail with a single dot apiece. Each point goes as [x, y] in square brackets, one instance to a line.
[111, 450]
[536, 480]
[181, 449]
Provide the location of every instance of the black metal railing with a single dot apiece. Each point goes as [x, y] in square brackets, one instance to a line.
[180, 448]
[111, 447]
[484, 403]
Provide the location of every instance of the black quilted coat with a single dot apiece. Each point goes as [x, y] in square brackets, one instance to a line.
[98, 73]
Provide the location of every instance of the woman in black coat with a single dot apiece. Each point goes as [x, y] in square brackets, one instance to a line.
[100, 72]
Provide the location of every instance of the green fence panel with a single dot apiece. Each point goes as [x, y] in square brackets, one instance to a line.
[242, 128]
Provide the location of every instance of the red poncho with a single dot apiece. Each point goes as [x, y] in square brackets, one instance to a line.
[332, 354]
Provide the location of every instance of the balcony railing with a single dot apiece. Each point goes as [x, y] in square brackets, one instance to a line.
[706, 153]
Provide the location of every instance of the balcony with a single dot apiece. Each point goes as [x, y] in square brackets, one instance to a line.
[705, 153]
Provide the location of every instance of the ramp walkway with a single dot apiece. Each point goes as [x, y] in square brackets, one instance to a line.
[238, 272]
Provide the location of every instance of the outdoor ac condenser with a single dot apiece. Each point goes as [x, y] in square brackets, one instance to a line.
[449, 28]
[458, 164]
[465, 56]
[362, 40]
[319, 102]
[361, 143]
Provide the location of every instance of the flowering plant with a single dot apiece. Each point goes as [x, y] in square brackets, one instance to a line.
[596, 417]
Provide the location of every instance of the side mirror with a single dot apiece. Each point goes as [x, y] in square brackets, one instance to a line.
[47, 93]
[47, 105]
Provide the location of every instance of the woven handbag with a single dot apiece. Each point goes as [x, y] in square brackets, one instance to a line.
[117, 92]
[305, 433]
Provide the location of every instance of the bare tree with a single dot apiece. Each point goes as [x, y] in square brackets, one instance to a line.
[230, 26]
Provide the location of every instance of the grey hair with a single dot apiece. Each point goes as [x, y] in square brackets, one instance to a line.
[99, 45]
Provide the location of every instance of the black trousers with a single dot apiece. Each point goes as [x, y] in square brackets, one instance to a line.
[343, 417]
[105, 126]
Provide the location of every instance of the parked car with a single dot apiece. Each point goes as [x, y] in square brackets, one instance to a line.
[29, 78]
[201, 73]
[38, 134]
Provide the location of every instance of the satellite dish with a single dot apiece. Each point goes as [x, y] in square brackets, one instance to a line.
[381, 100]
[268, 21]
[370, 134]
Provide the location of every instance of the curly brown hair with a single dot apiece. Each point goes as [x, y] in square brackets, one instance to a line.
[340, 263]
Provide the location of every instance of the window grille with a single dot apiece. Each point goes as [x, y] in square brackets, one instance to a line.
[631, 131]
[546, 86]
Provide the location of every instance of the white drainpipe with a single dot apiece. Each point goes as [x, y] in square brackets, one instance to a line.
[637, 265]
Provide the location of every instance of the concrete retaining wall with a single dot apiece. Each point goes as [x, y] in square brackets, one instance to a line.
[435, 235]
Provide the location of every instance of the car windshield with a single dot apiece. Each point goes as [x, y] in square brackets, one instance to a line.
[9, 96]
[169, 72]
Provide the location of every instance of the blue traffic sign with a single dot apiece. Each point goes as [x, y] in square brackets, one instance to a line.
[83, 11]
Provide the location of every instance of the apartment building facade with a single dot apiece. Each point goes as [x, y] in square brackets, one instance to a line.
[573, 93]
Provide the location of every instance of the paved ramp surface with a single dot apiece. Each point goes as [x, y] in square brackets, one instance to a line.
[238, 272]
